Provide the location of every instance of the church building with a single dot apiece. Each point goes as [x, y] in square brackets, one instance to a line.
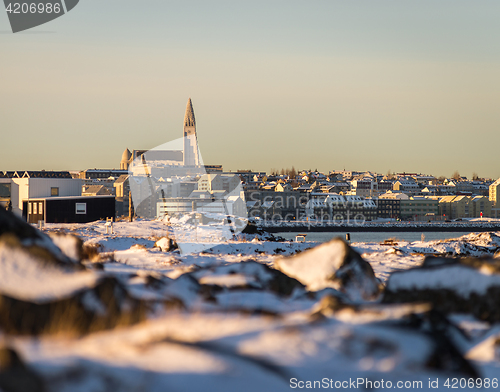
[190, 156]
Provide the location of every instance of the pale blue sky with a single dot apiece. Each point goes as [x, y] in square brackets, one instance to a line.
[365, 85]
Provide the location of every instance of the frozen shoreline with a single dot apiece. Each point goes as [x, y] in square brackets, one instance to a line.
[379, 227]
[252, 313]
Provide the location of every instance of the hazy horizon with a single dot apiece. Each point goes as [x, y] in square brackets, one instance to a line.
[365, 85]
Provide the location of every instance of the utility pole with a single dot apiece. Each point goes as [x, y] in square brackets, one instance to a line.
[130, 207]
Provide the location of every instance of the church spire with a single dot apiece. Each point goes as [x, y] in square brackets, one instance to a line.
[191, 153]
[189, 116]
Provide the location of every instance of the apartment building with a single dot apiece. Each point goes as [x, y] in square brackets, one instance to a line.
[419, 208]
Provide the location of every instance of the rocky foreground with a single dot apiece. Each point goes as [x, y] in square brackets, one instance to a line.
[84, 311]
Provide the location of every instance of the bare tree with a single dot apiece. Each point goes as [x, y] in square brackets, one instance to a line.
[456, 175]
[475, 177]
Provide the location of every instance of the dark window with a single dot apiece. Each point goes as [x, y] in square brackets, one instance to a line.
[54, 191]
[4, 190]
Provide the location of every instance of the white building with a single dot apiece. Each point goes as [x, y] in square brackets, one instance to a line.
[219, 182]
[232, 205]
[29, 188]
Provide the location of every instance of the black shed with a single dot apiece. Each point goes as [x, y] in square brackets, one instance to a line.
[71, 209]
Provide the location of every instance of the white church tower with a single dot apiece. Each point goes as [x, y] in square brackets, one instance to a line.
[191, 154]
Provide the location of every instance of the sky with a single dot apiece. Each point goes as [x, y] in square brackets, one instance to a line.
[380, 85]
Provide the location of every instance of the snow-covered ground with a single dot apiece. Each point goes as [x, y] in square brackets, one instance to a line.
[250, 314]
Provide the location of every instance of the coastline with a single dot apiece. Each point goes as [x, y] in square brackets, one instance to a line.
[380, 227]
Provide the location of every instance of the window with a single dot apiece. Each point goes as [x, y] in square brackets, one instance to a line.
[54, 191]
[5, 190]
[81, 208]
[29, 208]
[40, 208]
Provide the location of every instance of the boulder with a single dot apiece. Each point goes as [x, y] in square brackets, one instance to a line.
[11, 224]
[334, 264]
[166, 244]
[461, 285]
[249, 275]
[46, 290]
[104, 306]
[180, 293]
[473, 244]
[445, 339]
[75, 249]
[334, 305]
[16, 231]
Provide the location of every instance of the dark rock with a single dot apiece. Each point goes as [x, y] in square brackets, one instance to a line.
[446, 355]
[328, 306]
[492, 265]
[15, 232]
[178, 293]
[11, 224]
[46, 290]
[461, 285]
[105, 306]
[445, 338]
[257, 276]
[252, 228]
[338, 306]
[15, 376]
[261, 234]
